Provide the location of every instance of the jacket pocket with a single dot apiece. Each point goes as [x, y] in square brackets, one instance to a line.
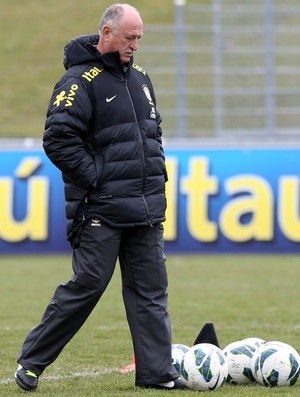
[79, 220]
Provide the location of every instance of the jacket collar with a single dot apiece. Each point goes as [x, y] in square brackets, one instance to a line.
[111, 62]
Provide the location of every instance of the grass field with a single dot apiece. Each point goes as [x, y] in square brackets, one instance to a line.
[243, 296]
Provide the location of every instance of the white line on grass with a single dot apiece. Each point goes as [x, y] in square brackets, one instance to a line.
[85, 374]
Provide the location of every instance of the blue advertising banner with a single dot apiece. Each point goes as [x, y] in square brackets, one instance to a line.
[32, 214]
[234, 200]
[219, 200]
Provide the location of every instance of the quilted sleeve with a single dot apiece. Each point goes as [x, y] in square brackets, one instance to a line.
[66, 132]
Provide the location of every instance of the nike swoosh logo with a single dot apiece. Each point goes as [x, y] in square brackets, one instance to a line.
[110, 99]
[216, 384]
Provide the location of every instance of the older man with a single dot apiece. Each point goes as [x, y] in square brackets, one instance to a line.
[103, 132]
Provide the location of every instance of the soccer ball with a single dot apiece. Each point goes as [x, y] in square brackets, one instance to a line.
[276, 364]
[204, 367]
[178, 351]
[239, 356]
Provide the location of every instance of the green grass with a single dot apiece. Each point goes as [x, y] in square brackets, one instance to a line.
[243, 296]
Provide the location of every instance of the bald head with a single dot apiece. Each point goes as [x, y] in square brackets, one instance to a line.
[120, 29]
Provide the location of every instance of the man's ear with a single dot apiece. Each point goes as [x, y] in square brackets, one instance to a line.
[106, 31]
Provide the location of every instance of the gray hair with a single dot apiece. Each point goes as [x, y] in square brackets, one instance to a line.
[113, 15]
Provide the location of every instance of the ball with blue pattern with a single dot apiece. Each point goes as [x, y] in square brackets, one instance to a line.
[276, 364]
[239, 355]
[204, 367]
[178, 351]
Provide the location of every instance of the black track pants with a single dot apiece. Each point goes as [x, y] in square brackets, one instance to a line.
[144, 277]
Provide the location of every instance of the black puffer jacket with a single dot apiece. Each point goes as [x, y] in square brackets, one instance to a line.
[103, 132]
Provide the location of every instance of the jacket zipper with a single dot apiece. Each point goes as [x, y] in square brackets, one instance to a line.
[143, 155]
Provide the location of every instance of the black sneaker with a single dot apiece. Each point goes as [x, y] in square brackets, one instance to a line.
[26, 379]
[177, 384]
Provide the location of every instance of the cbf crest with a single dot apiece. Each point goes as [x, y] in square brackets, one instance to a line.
[148, 96]
[147, 93]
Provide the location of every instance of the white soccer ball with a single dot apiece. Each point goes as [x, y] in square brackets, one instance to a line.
[239, 356]
[178, 351]
[276, 364]
[204, 367]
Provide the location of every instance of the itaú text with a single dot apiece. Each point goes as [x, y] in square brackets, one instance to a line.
[34, 225]
[245, 207]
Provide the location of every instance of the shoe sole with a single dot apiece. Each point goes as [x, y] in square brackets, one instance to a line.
[22, 386]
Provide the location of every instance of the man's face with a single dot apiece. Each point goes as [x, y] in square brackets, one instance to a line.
[125, 38]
